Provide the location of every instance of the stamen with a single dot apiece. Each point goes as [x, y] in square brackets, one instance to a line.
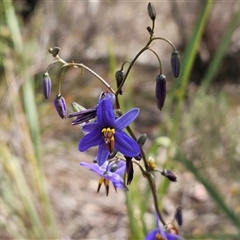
[159, 237]
[101, 180]
[108, 134]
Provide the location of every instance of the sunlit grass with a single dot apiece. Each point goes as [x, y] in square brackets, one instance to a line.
[204, 129]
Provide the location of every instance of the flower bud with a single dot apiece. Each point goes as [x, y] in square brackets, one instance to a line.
[46, 85]
[169, 175]
[151, 163]
[77, 107]
[142, 139]
[60, 105]
[119, 76]
[160, 90]
[175, 64]
[54, 51]
[129, 170]
[178, 216]
[114, 167]
[151, 11]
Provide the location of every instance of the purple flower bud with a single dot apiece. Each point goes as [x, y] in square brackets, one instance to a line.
[175, 64]
[119, 76]
[46, 85]
[169, 175]
[151, 11]
[60, 105]
[129, 170]
[178, 215]
[160, 91]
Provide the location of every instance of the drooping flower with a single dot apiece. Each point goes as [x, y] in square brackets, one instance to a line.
[108, 173]
[160, 234]
[60, 105]
[85, 115]
[107, 132]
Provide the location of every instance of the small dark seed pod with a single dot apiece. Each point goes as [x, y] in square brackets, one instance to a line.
[178, 216]
[55, 51]
[60, 105]
[142, 139]
[46, 85]
[151, 11]
[175, 64]
[119, 76]
[160, 90]
[114, 167]
[169, 175]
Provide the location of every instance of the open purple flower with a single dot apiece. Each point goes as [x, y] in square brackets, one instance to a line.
[160, 234]
[107, 133]
[108, 172]
[85, 115]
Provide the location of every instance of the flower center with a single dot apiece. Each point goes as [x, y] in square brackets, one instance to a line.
[158, 236]
[108, 134]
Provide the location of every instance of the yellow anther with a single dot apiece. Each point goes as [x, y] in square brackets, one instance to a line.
[151, 162]
[159, 237]
[108, 134]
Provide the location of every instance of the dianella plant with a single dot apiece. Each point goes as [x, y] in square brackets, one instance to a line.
[107, 127]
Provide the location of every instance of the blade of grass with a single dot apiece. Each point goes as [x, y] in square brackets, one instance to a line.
[14, 170]
[215, 195]
[221, 50]
[31, 114]
[179, 87]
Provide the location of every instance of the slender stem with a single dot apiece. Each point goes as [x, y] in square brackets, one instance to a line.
[159, 61]
[166, 40]
[81, 65]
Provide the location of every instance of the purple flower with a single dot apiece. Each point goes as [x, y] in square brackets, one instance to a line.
[108, 172]
[85, 115]
[160, 234]
[107, 133]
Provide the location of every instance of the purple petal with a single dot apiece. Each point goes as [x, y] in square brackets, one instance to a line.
[152, 235]
[89, 127]
[93, 138]
[102, 154]
[105, 114]
[83, 112]
[171, 236]
[126, 145]
[93, 167]
[117, 181]
[121, 168]
[126, 118]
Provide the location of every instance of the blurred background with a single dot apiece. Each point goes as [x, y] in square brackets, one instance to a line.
[44, 193]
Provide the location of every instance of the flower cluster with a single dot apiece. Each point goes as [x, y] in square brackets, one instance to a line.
[106, 128]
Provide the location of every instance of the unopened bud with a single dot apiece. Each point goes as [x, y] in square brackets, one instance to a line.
[142, 139]
[54, 51]
[119, 76]
[114, 167]
[169, 175]
[77, 107]
[178, 216]
[60, 105]
[151, 11]
[160, 90]
[151, 163]
[175, 64]
[129, 170]
[46, 85]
